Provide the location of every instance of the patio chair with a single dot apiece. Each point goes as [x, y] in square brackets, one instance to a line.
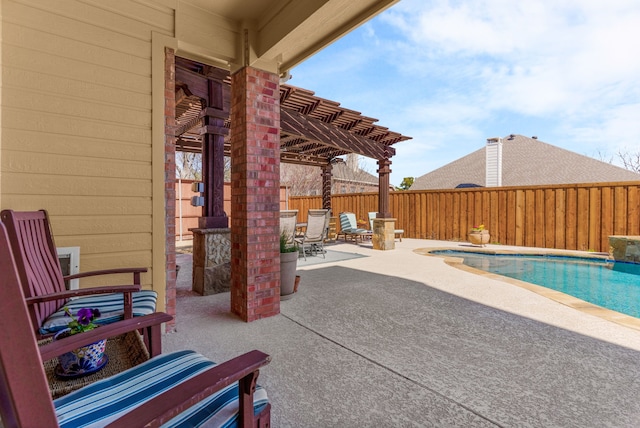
[397, 232]
[179, 387]
[315, 233]
[43, 283]
[349, 227]
[288, 222]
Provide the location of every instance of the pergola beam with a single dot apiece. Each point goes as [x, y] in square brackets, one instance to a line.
[294, 123]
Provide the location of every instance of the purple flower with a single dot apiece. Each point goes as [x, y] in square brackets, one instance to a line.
[85, 315]
[83, 321]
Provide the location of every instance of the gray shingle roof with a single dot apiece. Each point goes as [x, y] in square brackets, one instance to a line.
[345, 172]
[525, 162]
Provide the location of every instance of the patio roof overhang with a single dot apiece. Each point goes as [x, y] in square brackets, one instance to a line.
[313, 131]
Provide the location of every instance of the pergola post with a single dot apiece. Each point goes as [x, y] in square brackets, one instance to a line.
[383, 225]
[213, 132]
[326, 186]
[384, 171]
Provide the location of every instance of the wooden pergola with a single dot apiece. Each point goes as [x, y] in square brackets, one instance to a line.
[313, 131]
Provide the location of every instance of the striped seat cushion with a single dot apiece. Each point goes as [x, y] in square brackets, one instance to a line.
[111, 308]
[101, 402]
[349, 224]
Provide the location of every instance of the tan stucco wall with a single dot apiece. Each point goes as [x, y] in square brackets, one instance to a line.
[76, 135]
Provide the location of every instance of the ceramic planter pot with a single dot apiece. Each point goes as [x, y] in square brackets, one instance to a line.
[288, 266]
[82, 361]
[479, 238]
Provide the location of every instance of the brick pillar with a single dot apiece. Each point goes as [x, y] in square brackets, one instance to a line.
[255, 194]
[326, 186]
[170, 184]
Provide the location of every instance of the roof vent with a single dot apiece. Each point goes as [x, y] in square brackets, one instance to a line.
[535, 137]
[511, 137]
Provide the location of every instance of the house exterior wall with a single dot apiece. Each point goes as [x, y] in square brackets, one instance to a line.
[76, 135]
[340, 186]
[83, 105]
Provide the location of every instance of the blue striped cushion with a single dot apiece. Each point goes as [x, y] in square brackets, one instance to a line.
[101, 402]
[345, 223]
[111, 308]
[349, 224]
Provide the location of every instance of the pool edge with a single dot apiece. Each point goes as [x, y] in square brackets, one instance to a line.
[557, 296]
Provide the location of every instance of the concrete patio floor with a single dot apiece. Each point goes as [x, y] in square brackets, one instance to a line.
[397, 338]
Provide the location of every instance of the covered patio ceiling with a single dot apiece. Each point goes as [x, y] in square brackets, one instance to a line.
[313, 130]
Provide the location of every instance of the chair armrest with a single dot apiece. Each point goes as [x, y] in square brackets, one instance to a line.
[105, 272]
[83, 292]
[152, 324]
[162, 408]
[135, 271]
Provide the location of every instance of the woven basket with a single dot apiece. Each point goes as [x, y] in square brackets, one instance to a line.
[125, 351]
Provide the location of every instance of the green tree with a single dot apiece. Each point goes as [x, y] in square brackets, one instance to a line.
[406, 183]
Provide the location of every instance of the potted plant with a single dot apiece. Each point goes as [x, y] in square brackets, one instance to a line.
[288, 265]
[478, 235]
[87, 359]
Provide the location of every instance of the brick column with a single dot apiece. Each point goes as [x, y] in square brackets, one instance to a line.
[170, 183]
[255, 194]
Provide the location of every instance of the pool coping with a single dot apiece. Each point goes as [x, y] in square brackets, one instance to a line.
[558, 296]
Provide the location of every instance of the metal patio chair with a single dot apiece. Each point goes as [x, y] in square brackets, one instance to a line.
[397, 232]
[349, 227]
[315, 233]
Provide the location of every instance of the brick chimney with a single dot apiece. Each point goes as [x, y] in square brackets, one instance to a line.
[352, 161]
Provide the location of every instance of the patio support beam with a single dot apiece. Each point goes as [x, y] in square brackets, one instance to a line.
[384, 170]
[213, 133]
[326, 186]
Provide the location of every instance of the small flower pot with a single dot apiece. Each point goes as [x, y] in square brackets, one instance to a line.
[479, 238]
[82, 361]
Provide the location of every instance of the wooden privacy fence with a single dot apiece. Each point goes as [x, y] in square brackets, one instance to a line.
[571, 216]
[187, 215]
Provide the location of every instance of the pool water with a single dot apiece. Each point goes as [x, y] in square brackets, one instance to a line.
[615, 286]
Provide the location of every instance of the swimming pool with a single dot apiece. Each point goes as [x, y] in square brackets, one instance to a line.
[615, 286]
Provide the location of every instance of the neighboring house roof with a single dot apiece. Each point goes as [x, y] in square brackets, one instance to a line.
[525, 162]
[344, 172]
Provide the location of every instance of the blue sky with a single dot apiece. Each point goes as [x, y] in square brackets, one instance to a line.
[451, 74]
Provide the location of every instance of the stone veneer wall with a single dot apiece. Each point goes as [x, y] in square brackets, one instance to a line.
[625, 248]
[384, 237]
[211, 261]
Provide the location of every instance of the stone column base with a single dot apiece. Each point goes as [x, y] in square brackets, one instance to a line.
[625, 248]
[211, 261]
[384, 234]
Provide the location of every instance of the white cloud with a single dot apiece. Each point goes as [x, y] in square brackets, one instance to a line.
[451, 73]
[573, 62]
